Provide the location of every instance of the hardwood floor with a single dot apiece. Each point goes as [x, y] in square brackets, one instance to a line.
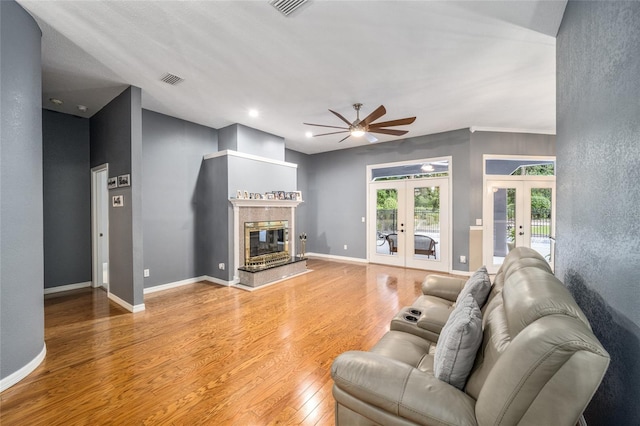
[206, 354]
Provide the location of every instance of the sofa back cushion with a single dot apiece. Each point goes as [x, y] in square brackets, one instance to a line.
[478, 286]
[537, 347]
[458, 343]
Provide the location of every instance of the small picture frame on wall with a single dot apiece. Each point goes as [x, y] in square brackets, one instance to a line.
[117, 201]
[124, 180]
[112, 182]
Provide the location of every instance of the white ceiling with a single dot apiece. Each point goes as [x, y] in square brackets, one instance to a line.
[452, 64]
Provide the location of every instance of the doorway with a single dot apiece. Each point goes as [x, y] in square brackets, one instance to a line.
[100, 227]
[519, 211]
[409, 215]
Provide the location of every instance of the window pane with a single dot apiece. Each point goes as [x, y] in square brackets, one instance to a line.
[386, 221]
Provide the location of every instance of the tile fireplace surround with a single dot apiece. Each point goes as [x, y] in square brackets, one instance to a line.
[259, 211]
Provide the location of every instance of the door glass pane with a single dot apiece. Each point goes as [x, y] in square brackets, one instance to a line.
[426, 212]
[504, 214]
[541, 221]
[386, 221]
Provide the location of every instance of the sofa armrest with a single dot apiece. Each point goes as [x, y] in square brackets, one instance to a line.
[401, 390]
[441, 286]
[434, 317]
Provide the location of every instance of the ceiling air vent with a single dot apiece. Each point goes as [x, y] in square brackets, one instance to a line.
[172, 79]
[286, 7]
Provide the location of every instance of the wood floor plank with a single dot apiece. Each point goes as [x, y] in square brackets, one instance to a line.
[206, 354]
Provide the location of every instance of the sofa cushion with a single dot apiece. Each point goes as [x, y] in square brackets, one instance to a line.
[478, 286]
[458, 344]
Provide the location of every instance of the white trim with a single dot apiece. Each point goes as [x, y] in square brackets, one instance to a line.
[338, 258]
[129, 307]
[474, 129]
[221, 282]
[174, 284]
[60, 288]
[229, 152]
[242, 202]
[15, 377]
[476, 228]
[463, 273]
[188, 281]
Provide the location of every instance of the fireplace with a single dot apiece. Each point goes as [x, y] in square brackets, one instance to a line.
[266, 243]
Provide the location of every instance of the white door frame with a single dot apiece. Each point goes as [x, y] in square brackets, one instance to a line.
[445, 264]
[98, 190]
[524, 183]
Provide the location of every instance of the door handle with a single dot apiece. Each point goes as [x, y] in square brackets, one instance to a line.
[520, 233]
[101, 234]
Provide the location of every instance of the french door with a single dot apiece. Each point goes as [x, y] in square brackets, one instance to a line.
[409, 223]
[519, 212]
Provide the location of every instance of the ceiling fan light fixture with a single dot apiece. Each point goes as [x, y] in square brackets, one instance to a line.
[356, 133]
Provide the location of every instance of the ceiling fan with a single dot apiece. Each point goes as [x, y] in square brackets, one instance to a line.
[367, 126]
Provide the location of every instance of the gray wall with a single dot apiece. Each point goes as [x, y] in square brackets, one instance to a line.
[338, 185]
[248, 140]
[302, 176]
[499, 143]
[67, 199]
[598, 144]
[172, 155]
[116, 138]
[21, 217]
[214, 219]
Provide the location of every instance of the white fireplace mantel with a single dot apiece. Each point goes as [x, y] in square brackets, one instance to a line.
[240, 203]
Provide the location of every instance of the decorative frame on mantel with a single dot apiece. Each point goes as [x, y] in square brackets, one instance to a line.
[253, 203]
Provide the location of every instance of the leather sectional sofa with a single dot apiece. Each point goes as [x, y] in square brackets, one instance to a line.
[538, 362]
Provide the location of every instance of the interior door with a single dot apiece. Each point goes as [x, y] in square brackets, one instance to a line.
[519, 213]
[100, 227]
[410, 227]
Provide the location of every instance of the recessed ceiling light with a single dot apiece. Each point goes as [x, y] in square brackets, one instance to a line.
[82, 108]
[253, 113]
[309, 134]
[55, 101]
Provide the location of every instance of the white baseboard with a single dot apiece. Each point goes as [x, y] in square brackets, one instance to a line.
[338, 258]
[60, 288]
[129, 307]
[175, 284]
[14, 378]
[188, 281]
[463, 273]
[219, 281]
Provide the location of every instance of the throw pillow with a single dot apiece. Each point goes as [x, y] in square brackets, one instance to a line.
[478, 286]
[458, 343]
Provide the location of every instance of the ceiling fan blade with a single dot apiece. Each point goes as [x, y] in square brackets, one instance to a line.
[379, 112]
[398, 122]
[370, 137]
[341, 117]
[344, 138]
[331, 133]
[323, 125]
[389, 132]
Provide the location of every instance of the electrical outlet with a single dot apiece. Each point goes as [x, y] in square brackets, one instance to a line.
[145, 273]
[345, 246]
[463, 259]
[221, 266]
[362, 219]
